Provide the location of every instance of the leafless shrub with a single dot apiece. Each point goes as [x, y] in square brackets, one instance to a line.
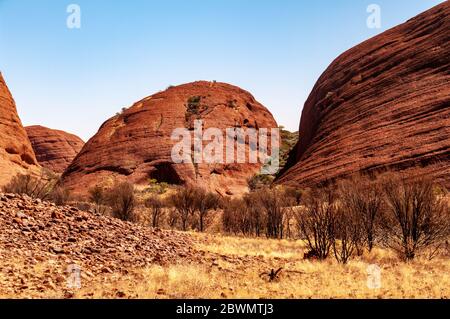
[97, 196]
[204, 203]
[172, 217]
[156, 206]
[34, 186]
[415, 219]
[274, 204]
[364, 201]
[347, 234]
[184, 202]
[122, 200]
[316, 221]
[294, 195]
[236, 217]
[265, 211]
[60, 195]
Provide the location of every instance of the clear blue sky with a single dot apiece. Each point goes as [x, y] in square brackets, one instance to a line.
[125, 50]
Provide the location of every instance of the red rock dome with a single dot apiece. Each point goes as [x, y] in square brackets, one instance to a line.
[54, 149]
[136, 144]
[383, 105]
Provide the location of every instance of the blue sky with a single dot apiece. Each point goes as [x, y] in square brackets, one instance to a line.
[75, 79]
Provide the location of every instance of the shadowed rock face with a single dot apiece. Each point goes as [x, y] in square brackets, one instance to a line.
[54, 149]
[16, 153]
[384, 104]
[136, 145]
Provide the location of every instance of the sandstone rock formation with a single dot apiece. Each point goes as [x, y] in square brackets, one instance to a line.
[54, 149]
[383, 105]
[136, 145]
[16, 153]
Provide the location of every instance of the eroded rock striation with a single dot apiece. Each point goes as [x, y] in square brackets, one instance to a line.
[382, 105]
[54, 149]
[16, 153]
[136, 144]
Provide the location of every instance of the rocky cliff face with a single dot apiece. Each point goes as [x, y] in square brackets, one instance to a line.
[54, 149]
[16, 153]
[385, 104]
[136, 145]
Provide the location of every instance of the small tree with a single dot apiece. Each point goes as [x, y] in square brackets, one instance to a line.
[274, 204]
[236, 218]
[122, 201]
[364, 201]
[251, 207]
[185, 204]
[415, 218]
[204, 203]
[347, 235]
[156, 206]
[60, 195]
[316, 221]
[172, 217]
[98, 197]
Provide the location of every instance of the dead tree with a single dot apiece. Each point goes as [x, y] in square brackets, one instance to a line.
[271, 275]
[316, 221]
[204, 203]
[184, 202]
[364, 200]
[415, 218]
[156, 206]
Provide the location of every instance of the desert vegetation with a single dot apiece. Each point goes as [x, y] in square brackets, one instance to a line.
[409, 216]
[342, 220]
[278, 241]
[44, 186]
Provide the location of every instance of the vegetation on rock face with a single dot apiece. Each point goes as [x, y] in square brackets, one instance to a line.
[193, 105]
[288, 141]
[259, 181]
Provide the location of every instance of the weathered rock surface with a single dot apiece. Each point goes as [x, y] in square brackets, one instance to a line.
[54, 149]
[136, 145]
[36, 235]
[16, 153]
[383, 105]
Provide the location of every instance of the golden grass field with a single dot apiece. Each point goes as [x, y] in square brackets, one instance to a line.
[232, 266]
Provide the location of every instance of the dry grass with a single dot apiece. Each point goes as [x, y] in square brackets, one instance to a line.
[231, 266]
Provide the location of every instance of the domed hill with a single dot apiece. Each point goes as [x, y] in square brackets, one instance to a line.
[54, 149]
[136, 145]
[385, 104]
[16, 154]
